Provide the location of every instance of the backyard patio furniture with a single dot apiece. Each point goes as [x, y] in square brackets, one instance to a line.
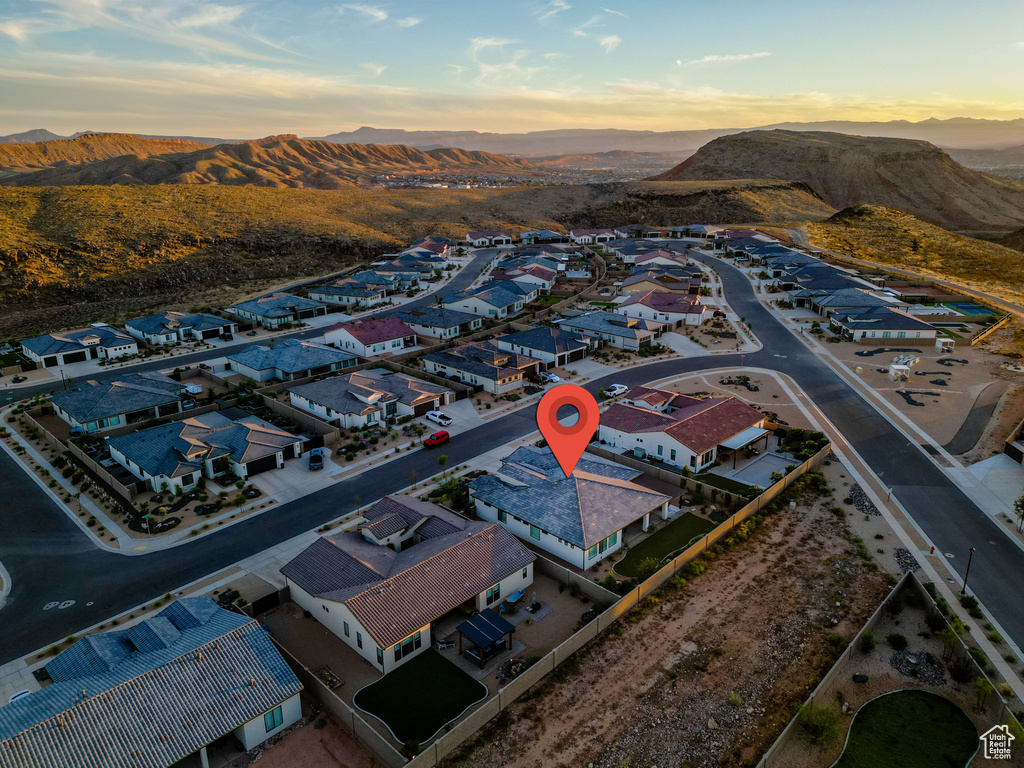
[516, 596]
[443, 645]
[490, 635]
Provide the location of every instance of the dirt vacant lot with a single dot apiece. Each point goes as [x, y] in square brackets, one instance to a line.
[709, 672]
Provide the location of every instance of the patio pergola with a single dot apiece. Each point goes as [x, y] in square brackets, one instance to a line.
[745, 439]
[489, 633]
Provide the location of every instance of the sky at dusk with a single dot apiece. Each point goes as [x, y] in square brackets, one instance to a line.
[247, 69]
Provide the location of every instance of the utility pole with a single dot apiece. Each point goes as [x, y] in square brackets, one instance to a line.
[967, 573]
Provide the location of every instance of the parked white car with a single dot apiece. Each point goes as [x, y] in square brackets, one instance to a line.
[549, 377]
[439, 417]
[614, 390]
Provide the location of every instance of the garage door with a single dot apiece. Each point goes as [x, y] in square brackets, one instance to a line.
[212, 333]
[261, 465]
[49, 361]
[307, 313]
[76, 357]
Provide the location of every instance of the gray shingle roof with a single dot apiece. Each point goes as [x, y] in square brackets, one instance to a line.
[71, 341]
[611, 323]
[595, 502]
[112, 397]
[290, 356]
[483, 358]
[164, 323]
[435, 317]
[277, 305]
[499, 295]
[203, 671]
[368, 390]
[881, 319]
[393, 594]
[552, 340]
[181, 447]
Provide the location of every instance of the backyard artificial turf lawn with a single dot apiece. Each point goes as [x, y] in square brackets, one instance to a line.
[674, 536]
[910, 729]
[420, 696]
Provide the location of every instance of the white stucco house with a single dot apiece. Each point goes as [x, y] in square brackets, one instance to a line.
[483, 364]
[673, 309]
[579, 519]
[371, 336]
[99, 341]
[409, 563]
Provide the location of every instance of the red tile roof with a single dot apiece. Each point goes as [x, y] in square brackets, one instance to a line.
[664, 301]
[698, 424]
[375, 330]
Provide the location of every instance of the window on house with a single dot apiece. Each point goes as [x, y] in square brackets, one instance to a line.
[346, 629]
[380, 657]
[273, 719]
[502, 516]
[661, 450]
[535, 532]
[672, 455]
[408, 646]
[359, 639]
[593, 552]
[494, 593]
[527, 569]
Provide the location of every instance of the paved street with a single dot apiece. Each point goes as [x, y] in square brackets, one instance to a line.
[50, 560]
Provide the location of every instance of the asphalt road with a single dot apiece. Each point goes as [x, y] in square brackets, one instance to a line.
[51, 561]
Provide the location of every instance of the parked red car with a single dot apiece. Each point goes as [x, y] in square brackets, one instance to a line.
[438, 438]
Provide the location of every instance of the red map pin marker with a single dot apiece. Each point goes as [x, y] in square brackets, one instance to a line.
[568, 443]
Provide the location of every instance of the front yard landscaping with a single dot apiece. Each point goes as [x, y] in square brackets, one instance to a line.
[911, 729]
[674, 537]
[420, 697]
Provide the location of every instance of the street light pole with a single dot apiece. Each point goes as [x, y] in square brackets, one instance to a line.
[967, 573]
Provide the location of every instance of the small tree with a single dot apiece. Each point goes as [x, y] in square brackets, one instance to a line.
[867, 642]
[949, 639]
[983, 688]
[442, 462]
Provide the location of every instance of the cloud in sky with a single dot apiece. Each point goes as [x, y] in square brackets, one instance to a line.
[615, 13]
[609, 42]
[374, 69]
[727, 58]
[17, 31]
[554, 8]
[409, 21]
[371, 12]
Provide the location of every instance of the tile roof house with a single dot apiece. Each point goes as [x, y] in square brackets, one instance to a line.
[174, 327]
[665, 307]
[351, 293]
[484, 239]
[677, 429]
[540, 236]
[555, 347]
[619, 331]
[130, 398]
[369, 397]
[880, 325]
[852, 299]
[99, 341]
[152, 695]
[495, 300]
[288, 360]
[580, 518]
[483, 364]
[371, 336]
[591, 236]
[677, 279]
[439, 245]
[533, 274]
[380, 588]
[210, 444]
[439, 323]
[278, 309]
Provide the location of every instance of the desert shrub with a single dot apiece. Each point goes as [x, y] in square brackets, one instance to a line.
[819, 725]
[896, 641]
[867, 642]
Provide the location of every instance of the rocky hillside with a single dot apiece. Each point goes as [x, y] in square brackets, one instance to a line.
[277, 161]
[886, 236]
[912, 176]
[1014, 240]
[21, 157]
[69, 255]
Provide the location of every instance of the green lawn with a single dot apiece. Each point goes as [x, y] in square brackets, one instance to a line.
[675, 536]
[910, 729]
[10, 358]
[420, 696]
[725, 483]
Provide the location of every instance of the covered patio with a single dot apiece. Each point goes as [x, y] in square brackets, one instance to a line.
[489, 635]
[745, 440]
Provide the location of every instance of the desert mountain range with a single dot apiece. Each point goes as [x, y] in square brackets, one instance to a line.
[275, 161]
[958, 132]
[912, 176]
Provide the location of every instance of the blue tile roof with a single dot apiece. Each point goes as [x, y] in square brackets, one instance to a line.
[290, 356]
[277, 305]
[552, 340]
[612, 324]
[203, 671]
[435, 317]
[130, 392]
[584, 509]
[165, 323]
[71, 341]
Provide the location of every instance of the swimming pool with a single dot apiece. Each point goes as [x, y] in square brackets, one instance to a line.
[968, 308]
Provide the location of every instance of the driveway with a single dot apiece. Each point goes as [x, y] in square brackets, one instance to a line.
[295, 479]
